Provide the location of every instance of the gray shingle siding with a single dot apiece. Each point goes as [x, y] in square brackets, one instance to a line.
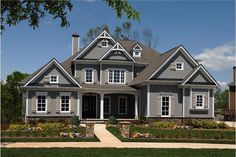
[80, 72]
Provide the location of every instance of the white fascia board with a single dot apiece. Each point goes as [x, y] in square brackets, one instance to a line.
[59, 65]
[122, 49]
[181, 47]
[98, 37]
[140, 48]
[200, 67]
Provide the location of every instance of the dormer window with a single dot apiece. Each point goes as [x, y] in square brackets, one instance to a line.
[179, 66]
[53, 78]
[104, 43]
[137, 54]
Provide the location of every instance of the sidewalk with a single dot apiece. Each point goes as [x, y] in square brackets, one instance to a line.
[110, 141]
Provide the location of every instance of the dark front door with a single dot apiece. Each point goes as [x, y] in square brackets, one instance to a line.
[89, 106]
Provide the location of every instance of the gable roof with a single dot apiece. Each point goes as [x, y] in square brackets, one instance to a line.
[103, 34]
[196, 70]
[118, 47]
[36, 74]
[137, 47]
[174, 51]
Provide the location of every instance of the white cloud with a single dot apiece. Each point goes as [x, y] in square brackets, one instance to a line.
[218, 58]
[223, 85]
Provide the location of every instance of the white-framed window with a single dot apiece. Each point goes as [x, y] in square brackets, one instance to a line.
[65, 102]
[107, 105]
[116, 76]
[104, 43]
[179, 66]
[122, 105]
[199, 101]
[53, 78]
[41, 102]
[165, 106]
[89, 75]
[136, 53]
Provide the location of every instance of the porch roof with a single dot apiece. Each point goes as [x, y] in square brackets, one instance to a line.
[117, 88]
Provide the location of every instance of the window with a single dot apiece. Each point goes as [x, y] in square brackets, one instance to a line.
[122, 104]
[53, 79]
[89, 76]
[179, 66]
[104, 43]
[165, 106]
[137, 54]
[65, 102]
[41, 102]
[107, 105]
[199, 101]
[116, 76]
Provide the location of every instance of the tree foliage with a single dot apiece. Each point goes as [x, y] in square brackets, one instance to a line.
[221, 99]
[16, 11]
[11, 98]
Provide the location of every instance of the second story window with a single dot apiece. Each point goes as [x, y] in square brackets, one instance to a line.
[179, 66]
[53, 78]
[104, 43]
[89, 75]
[116, 76]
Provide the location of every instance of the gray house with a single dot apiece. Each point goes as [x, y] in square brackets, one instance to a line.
[124, 78]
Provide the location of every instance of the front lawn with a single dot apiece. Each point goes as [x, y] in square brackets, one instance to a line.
[114, 152]
[179, 135]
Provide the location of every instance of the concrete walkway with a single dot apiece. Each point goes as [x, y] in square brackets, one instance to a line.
[110, 141]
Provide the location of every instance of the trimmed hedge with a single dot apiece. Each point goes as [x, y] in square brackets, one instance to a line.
[189, 134]
[18, 126]
[164, 125]
[51, 126]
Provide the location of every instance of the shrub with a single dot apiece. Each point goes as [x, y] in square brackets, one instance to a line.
[165, 125]
[75, 120]
[206, 124]
[222, 125]
[51, 126]
[112, 120]
[18, 126]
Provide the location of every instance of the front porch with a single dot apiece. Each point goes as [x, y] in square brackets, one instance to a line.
[100, 106]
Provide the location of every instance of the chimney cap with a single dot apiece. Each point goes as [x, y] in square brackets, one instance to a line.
[75, 35]
[234, 67]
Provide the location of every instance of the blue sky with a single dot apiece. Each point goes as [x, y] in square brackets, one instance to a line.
[205, 28]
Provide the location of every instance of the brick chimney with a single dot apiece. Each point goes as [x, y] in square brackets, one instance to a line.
[75, 43]
[234, 73]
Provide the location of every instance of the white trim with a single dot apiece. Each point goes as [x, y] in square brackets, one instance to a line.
[46, 101]
[101, 106]
[136, 106]
[65, 94]
[169, 106]
[148, 100]
[85, 75]
[78, 105]
[117, 49]
[126, 105]
[98, 37]
[196, 71]
[120, 69]
[58, 64]
[139, 53]
[57, 79]
[104, 40]
[191, 97]
[183, 102]
[134, 48]
[208, 99]
[182, 66]
[203, 101]
[100, 71]
[213, 107]
[181, 47]
[109, 97]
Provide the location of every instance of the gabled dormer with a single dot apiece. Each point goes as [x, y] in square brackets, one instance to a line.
[137, 50]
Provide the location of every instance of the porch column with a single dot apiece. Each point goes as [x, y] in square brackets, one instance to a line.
[79, 105]
[101, 106]
[136, 106]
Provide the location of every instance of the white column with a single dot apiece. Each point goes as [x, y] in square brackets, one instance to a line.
[26, 106]
[183, 102]
[136, 106]
[79, 108]
[148, 100]
[101, 106]
[213, 106]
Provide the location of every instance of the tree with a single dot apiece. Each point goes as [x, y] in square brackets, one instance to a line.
[16, 11]
[149, 39]
[221, 98]
[11, 98]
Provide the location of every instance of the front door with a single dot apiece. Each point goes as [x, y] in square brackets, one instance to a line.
[89, 106]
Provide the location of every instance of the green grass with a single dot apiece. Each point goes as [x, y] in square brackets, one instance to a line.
[117, 133]
[114, 152]
[95, 139]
